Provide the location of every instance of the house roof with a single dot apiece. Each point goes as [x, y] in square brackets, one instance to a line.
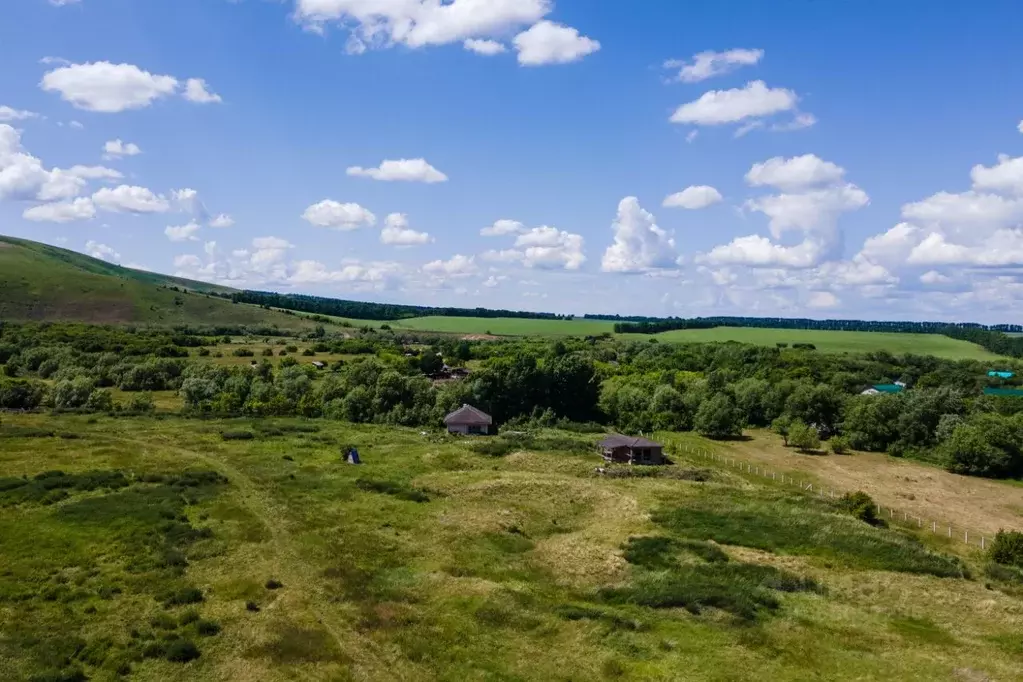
[617, 440]
[1005, 392]
[467, 414]
[887, 388]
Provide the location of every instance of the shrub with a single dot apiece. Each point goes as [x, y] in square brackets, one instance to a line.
[163, 621]
[252, 606]
[186, 595]
[65, 675]
[188, 617]
[268, 352]
[204, 352]
[182, 651]
[207, 628]
[862, 506]
[393, 489]
[242, 353]
[237, 435]
[839, 445]
[142, 403]
[803, 437]
[308, 352]
[1007, 549]
[272, 584]
[291, 349]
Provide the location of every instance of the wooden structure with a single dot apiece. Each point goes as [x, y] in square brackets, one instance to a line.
[620, 449]
[467, 420]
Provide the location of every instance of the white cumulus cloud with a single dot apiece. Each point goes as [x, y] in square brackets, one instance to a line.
[550, 248]
[130, 199]
[407, 170]
[639, 244]
[197, 90]
[546, 42]
[1005, 177]
[709, 64]
[694, 197]
[456, 266]
[61, 211]
[503, 227]
[115, 149]
[396, 232]
[111, 88]
[334, 214]
[796, 173]
[102, 251]
[487, 48]
[222, 220]
[419, 23]
[182, 233]
[10, 114]
[754, 100]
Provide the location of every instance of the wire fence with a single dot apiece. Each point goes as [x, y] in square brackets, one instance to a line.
[890, 514]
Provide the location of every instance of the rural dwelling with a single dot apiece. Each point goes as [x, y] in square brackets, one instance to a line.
[318, 365]
[467, 420]
[877, 389]
[621, 449]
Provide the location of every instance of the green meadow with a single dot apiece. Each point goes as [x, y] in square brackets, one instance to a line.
[164, 548]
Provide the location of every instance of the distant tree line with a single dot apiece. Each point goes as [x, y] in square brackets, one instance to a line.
[363, 310]
[990, 337]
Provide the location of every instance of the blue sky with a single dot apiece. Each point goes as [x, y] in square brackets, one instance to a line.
[842, 159]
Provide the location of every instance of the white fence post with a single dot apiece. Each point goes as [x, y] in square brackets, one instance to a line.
[934, 526]
[966, 536]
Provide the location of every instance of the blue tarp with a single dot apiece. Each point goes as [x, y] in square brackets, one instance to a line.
[1001, 375]
[353, 456]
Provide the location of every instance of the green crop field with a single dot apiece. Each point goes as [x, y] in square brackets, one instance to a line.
[169, 549]
[825, 341]
[505, 326]
[835, 341]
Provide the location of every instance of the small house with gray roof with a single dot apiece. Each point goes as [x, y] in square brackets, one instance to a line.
[467, 420]
[620, 449]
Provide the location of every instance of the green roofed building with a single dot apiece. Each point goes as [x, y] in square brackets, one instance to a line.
[1004, 392]
[884, 388]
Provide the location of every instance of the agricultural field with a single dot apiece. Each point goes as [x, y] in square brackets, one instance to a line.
[505, 326]
[835, 341]
[175, 549]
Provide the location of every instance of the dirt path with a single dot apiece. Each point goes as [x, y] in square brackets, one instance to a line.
[293, 571]
[924, 491]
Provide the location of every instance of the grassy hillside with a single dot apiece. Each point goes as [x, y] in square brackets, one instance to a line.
[42, 282]
[273, 560]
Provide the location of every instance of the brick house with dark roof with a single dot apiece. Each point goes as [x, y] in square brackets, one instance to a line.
[620, 449]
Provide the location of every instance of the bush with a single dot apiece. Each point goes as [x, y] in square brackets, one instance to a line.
[272, 584]
[308, 352]
[252, 606]
[141, 403]
[803, 437]
[182, 651]
[291, 349]
[186, 595]
[268, 352]
[188, 617]
[839, 445]
[1007, 549]
[204, 352]
[207, 628]
[237, 435]
[862, 506]
[66, 675]
[242, 353]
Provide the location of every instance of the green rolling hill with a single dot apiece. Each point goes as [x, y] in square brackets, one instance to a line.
[47, 283]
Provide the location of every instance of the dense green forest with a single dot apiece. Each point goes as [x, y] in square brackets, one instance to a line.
[362, 310]
[717, 389]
